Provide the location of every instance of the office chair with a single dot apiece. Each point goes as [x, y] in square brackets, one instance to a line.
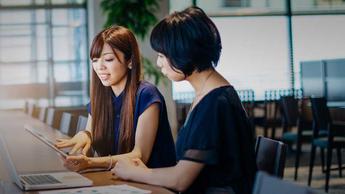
[293, 119]
[65, 124]
[270, 156]
[326, 135]
[42, 114]
[266, 184]
[82, 122]
[50, 116]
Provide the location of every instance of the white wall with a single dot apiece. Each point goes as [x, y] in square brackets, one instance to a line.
[96, 20]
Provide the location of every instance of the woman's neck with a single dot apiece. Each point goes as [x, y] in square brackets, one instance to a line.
[199, 80]
[119, 87]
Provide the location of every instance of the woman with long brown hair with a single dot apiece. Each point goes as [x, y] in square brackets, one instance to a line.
[127, 116]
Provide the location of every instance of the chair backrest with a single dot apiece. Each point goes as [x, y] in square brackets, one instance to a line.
[272, 107]
[270, 156]
[65, 123]
[30, 108]
[290, 110]
[321, 114]
[82, 122]
[42, 114]
[266, 184]
[50, 116]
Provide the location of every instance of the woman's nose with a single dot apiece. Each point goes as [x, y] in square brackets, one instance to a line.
[159, 63]
[100, 65]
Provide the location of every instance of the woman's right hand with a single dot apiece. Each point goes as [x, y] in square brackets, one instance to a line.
[81, 141]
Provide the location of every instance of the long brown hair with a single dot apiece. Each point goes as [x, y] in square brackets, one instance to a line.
[102, 110]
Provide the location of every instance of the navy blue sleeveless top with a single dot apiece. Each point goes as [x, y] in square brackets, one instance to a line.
[163, 150]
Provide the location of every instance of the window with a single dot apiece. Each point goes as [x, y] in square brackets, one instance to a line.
[43, 53]
[236, 3]
[255, 39]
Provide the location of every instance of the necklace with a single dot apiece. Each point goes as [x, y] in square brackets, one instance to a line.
[197, 96]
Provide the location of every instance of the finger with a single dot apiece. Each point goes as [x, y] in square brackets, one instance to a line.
[86, 149]
[75, 148]
[113, 173]
[74, 158]
[116, 167]
[58, 145]
[60, 139]
[60, 142]
[138, 162]
[64, 144]
[68, 165]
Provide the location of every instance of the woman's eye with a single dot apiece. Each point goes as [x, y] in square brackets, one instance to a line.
[94, 60]
[108, 60]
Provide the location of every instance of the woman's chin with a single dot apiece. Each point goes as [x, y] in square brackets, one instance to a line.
[106, 83]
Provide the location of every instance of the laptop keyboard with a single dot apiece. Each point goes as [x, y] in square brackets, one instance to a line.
[40, 179]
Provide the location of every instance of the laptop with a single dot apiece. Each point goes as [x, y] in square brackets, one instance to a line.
[41, 181]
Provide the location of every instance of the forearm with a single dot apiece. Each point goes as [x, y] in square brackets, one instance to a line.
[166, 177]
[135, 153]
[178, 177]
[99, 162]
[110, 161]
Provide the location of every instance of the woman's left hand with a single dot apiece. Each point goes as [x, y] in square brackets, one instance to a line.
[126, 167]
[77, 163]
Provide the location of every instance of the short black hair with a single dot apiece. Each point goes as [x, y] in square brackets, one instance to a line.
[189, 39]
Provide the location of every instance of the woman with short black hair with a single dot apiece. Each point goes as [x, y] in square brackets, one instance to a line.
[214, 148]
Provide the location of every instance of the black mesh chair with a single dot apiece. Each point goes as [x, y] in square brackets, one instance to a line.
[266, 184]
[293, 119]
[326, 135]
[270, 156]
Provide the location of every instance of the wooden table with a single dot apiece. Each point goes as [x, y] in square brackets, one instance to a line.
[30, 155]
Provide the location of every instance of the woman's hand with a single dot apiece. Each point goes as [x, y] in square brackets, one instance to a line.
[77, 163]
[125, 167]
[81, 141]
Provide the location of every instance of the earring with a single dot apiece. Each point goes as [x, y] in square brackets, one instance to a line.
[130, 65]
